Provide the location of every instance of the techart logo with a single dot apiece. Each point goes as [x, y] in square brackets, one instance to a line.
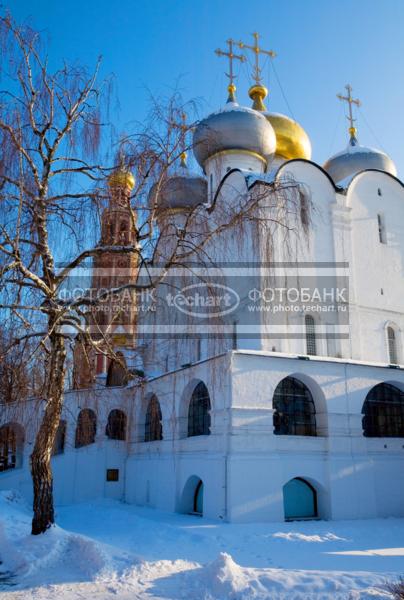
[205, 300]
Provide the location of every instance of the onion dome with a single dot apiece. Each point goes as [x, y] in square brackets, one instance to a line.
[291, 139]
[183, 190]
[357, 158]
[234, 129]
[121, 178]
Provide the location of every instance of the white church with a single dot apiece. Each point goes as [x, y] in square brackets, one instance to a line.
[293, 409]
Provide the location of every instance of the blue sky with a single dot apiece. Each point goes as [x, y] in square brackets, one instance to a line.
[321, 45]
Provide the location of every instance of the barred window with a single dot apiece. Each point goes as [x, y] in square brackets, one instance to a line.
[86, 428]
[311, 343]
[294, 410]
[59, 443]
[198, 413]
[153, 430]
[383, 412]
[392, 344]
[11, 446]
[116, 426]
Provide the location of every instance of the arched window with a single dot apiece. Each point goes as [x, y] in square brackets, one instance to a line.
[59, 443]
[198, 413]
[11, 446]
[117, 374]
[153, 429]
[311, 343]
[116, 426]
[392, 345]
[299, 500]
[294, 410]
[86, 428]
[383, 412]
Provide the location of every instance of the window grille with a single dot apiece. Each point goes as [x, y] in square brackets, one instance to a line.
[383, 412]
[116, 426]
[198, 414]
[294, 410]
[86, 428]
[311, 342]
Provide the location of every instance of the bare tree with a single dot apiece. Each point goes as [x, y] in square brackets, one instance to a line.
[21, 377]
[50, 133]
[53, 133]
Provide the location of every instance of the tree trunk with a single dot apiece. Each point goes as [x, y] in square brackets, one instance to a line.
[41, 468]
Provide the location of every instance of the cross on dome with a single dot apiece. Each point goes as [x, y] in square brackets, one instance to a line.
[183, 127]
[257, 50]
[350, 100]
[231, 56]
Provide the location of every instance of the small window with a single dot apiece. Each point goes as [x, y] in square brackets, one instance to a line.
[117, 372]
[392, 344]
[311, 343]
[382, 229]
[112, 474]
[123, 232]
[304, 209]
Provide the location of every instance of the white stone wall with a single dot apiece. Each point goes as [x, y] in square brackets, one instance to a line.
[242, 464]
[355, 476]
[344, 229]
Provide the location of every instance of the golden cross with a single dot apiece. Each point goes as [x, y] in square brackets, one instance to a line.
[231, 56]
[350, 100]
[257, 51]
[182, 126]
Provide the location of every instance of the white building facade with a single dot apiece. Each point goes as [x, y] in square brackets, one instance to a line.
[294, 417]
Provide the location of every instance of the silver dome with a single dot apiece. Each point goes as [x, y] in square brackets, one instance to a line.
[357, 158]
[182, 190]
[234, 128]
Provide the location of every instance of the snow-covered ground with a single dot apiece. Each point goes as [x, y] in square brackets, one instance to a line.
[105, 549]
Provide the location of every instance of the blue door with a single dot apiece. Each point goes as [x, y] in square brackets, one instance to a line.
[299, 500]
[198, 499]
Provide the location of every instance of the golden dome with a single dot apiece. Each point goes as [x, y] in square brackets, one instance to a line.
[291, 139]
[121, 178]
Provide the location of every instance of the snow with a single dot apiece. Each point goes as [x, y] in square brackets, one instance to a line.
[106, 549]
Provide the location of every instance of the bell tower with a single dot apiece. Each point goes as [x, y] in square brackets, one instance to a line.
[112, 322]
